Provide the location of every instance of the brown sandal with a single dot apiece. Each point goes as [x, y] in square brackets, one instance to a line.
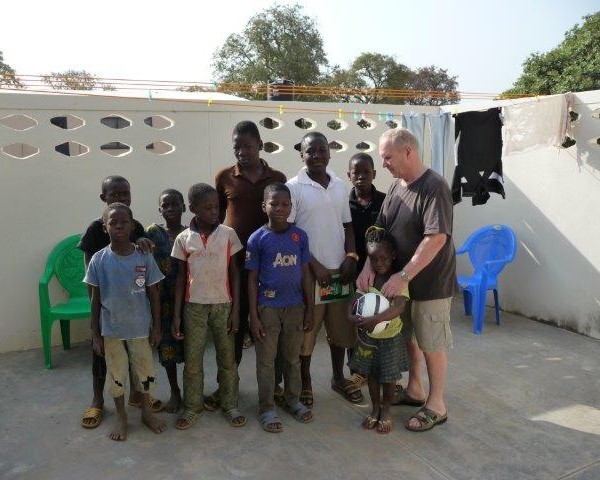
[427, 420]
[94, 414]
[306, 397]
[349, 391]
[212, 402]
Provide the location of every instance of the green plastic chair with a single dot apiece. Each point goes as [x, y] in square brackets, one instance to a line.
[66, 262]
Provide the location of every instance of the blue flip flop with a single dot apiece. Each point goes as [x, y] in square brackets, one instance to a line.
[298, 411]
[268, 419]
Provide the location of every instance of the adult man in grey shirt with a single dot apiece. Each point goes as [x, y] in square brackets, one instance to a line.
[417, 211]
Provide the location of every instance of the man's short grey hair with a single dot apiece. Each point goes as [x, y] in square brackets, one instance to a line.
[401, 137]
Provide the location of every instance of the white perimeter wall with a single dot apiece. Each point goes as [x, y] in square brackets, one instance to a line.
[49, 196]
[552, 195]
[553, 204]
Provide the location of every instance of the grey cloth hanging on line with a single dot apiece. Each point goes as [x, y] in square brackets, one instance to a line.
[442, 139]
[415, 122]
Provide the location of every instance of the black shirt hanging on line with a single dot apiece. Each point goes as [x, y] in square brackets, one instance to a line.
[479, 150]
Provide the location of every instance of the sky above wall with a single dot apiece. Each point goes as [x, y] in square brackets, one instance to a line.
[483, 42]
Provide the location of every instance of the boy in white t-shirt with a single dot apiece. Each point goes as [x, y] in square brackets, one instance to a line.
[320, 207]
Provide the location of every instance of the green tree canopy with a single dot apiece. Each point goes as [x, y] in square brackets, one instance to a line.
[377, 78]
[435, 85]
[8, 77]
[75, 80]
[376, 72]
[279, 42]
[572, 66]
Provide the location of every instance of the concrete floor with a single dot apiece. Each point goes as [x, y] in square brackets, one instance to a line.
[523, 401]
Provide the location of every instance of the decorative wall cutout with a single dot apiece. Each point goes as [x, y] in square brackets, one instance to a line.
[115, 149]
[20, 150]
[338, 146]
[18, 122]
[305, 123]
[365, 146]
[115, 121]
[67, 122]
[270, 123]
[337, 124]
[72, 149]
[366, 123]
[272, 147]
[335, 146]
[159, 122]
[160, 148]
[391, 124]
[569, 142]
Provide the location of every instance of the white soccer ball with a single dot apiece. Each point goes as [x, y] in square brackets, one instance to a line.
[371, 304]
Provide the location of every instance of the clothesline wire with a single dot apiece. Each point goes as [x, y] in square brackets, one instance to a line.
[99, 83]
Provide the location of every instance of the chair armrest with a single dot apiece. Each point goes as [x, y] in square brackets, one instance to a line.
[461, 250]
[489, 263]
[47, 275]
[43, 290]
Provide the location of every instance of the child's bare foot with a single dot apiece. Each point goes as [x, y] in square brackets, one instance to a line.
[153, 423]
[119, 433]
[174, 402]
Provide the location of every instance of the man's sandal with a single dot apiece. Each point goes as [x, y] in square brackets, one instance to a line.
[235, 417]
[403, 398]
[187, 419]
[427, 420]
[93, 415]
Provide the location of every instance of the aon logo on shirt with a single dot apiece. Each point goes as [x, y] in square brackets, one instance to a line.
[285, 260]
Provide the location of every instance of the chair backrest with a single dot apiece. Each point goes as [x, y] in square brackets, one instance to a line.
[492, 242]
[66, 262]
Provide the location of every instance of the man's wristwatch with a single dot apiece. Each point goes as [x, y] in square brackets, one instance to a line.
[405, 276]
[353, 255]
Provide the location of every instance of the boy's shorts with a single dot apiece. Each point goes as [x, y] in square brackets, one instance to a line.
[429, 324]
[119, 355]
[340, 331]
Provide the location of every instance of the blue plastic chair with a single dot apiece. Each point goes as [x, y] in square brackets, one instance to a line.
[490, 248]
